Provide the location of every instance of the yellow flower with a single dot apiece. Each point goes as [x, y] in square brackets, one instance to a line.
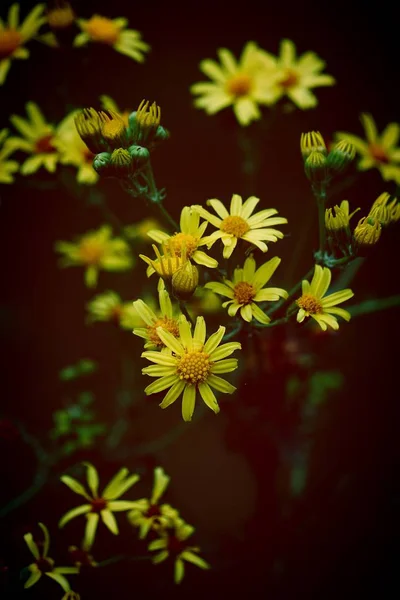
[242, 84]
[139, 231]
[247, 288]
[367, 233]
[166, 264]
[240, 223]
[312, 141]
[112, 32]
[44, 565]
[338, 217]
[296, 77]
[7, 167]
[378, 150]
[189, 238]
[99, 506]
[174, 544]
[383, 210]
[13, 36]
[165, 318]
[193, 366]
[73, 151]
[39, 139]
[107, 103]
[108, 307]
[313, 302]
[96, 250]
[149, 513]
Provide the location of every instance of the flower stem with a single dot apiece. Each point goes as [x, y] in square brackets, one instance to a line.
[156, 196]
[320, 196]
[184, 310]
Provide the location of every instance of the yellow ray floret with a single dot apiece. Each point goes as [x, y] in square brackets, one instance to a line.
[314, 303]
[96, 506]
[240, 223]
[166, 318]
[108, 307]
[378, 151]
[7, 167]
[193, 367]
[73, 151]
[247, 288]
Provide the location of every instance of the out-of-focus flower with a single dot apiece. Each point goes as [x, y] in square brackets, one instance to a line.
[340, 156]
[14, 35]
[145, 127]
[194, 366]
[367, 233]
[99, 506]
[140, 231]
[247, 288]
[377, 150]
[165, 264]
[149, 513]
[295, 77]
[242, 84]
[96, 250]
[71, 596]
[174, 544]
[164, 318]
[112, 32]
[39, 139]
[240, 223]
[81, 557]
[7, 167]
[314, 303]
[189, 238]
[107, 103]
[382, 210]
[60, 15]
[44, 565]
[204, 301]
[108, 307]
[73, 151]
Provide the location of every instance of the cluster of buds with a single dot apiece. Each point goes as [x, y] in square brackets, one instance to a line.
[319, 164]
[121, 146]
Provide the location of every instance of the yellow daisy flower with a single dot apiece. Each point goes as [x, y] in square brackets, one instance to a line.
[112, 32]
[148, 513]
[174, 544]
[243, 84]
[378, 150]
[165, 318]
[240, 223]
[99, 506]
[295, 77]
[73, 151]
[14, 35]
[313, 302]
[193, 366]
[96, 250]
[189, 238]
[7, 167]
[39, 139]
[247, 288]
[44, 565]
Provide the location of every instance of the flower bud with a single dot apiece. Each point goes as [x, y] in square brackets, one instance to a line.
[367, 234]
[315, 167]
[139, 155]
[113, 128]
[311, 142]
[185, 281]
[101, 164]
[382, 209]
[61, 16]
[88, 126]
[340, 156]
[121, 162]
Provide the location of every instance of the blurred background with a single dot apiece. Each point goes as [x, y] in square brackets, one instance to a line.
[293, 487]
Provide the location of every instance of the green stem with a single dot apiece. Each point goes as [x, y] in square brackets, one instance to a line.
[320, 196]
[185, 311]
[292, 292]
[156, 197]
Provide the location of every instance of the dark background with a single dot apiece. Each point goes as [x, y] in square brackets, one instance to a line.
[339, 538]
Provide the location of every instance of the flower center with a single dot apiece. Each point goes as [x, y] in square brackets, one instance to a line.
[10, 40]
[235, 226]
[310, 304]
[181, 240]
[194, 366]
[239, 85]
[378, 153]
[290, 79]
[98, 504]
[244, 292]
[44, 145]
[101, 29]
[91, 251]
[45, 565]
[175, 546]
[153, 511]
[166, 323]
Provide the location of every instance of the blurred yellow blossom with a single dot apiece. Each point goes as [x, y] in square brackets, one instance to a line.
[7, 167]
[14, 35]
[39, 139]
[383, 210]
[243, 84]
[73, 151]
[294, 76]
[112, 32]
[109, 307]
[174, 544]
[97, 506]
[194, 365]
[190, 238]
[139, 231]
[107, 103]
[44, 565]
[314, 303]
[240, 223]
[96, 250]
[377, 150]
[247, 288]
[149, 513]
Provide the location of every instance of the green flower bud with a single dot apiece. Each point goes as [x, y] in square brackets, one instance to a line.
[185, 281]
[121, 162]
[101, 164]
[340, 156]
[367, 234]
[315, 167]
[139, 155]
